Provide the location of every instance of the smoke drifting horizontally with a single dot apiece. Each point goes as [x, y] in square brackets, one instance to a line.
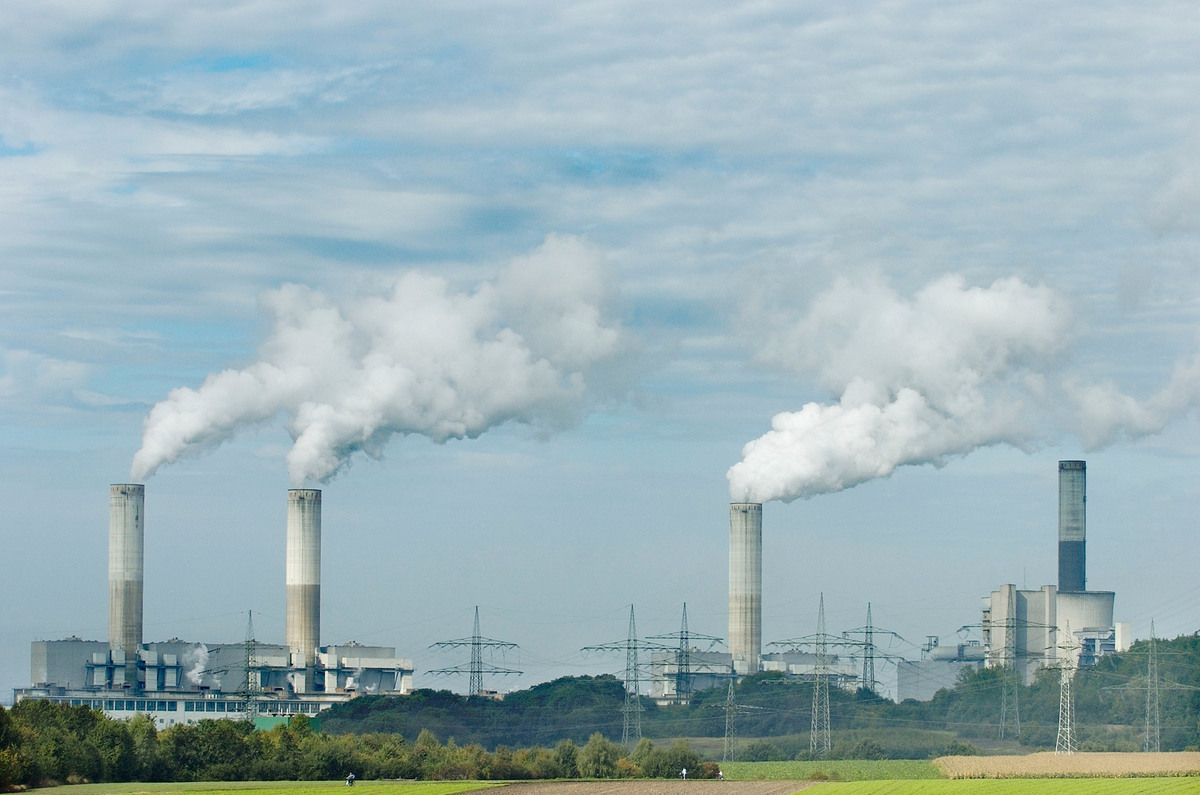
[920, 381]
[422, 359]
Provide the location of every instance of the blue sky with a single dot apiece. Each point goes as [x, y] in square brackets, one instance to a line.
[752, 185]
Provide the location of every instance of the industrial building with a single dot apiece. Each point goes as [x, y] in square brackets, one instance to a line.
[1028, 630]
[938, 669]
[179, 681]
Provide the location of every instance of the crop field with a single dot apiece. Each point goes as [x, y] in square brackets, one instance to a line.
[1011, 786]
[1090, 765]
[832, 770]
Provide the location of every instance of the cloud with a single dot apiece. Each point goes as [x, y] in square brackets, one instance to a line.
[32, 377]
[916, 381]
[421, 358]
[921, 380]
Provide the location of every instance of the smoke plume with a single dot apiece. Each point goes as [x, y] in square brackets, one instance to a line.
[921, 380]
[196, 661]
[421, 359]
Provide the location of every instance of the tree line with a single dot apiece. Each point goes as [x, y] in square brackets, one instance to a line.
[43, 743]
[1110, 709]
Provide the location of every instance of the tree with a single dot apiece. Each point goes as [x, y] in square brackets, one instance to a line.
[144, 734]
[598, 759]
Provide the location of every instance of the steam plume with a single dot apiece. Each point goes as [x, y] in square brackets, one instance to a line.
[919, 381]
[422, 359]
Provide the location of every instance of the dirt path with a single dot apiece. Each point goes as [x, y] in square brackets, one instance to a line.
[656, 787]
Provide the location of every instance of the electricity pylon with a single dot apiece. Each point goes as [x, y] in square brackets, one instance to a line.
[683, 657]
[252, 685]
[870, 652]
[819, 740]
[477, 668]
[631, 712]
[1065, 744]
[1153, 740]
[868, 677]
[1010, 712]
[730, 752]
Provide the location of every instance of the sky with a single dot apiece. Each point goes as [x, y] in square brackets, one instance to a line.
[534, 290]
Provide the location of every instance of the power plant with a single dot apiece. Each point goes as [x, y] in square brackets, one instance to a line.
[1026, 630]
[178, 681]
[182, 681]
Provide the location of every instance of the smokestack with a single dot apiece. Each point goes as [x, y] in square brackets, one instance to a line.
[1072, 525]
[126, 553]
[745, 585]
[303, 626]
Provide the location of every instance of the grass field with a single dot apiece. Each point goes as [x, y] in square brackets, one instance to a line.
[832, 770]
[1044, 786]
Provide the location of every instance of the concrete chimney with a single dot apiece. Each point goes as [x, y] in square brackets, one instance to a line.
[126, 555]
[303, 625]
[1072, 526]
[745, 586]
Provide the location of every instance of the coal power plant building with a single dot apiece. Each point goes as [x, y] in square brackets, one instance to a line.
[1030, 629]
[180, 681]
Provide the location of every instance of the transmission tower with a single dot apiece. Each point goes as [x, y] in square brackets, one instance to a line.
[252, 685]
[1010, 712]
[1153, 720]
[683, 657]
[868, 677]
[1065, 744]
[730, 752]
[631, 712]
[477, 668]
[818, 739]
[870, 652]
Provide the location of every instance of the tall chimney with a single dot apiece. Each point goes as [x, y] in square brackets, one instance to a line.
[126, 553]
[1072, 525]
[745, 585]
[303, 624]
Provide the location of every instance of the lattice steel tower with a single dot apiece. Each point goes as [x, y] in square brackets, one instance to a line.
[252, 685]
[819, 740]
[1065, 743]
[477, 667]
[1153, 741]
[1010, 712]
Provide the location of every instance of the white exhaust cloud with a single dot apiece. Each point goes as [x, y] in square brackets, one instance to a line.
[421, 359]
[921, 380]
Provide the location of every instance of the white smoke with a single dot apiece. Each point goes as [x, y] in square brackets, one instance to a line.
[196, 661]
[420, 359]
[920, 380]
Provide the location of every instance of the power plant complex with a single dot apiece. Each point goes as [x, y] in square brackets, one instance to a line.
[183, 681]
[178, 681]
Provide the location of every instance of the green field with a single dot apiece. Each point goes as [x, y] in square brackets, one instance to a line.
[832, 770]
[1012, 786]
